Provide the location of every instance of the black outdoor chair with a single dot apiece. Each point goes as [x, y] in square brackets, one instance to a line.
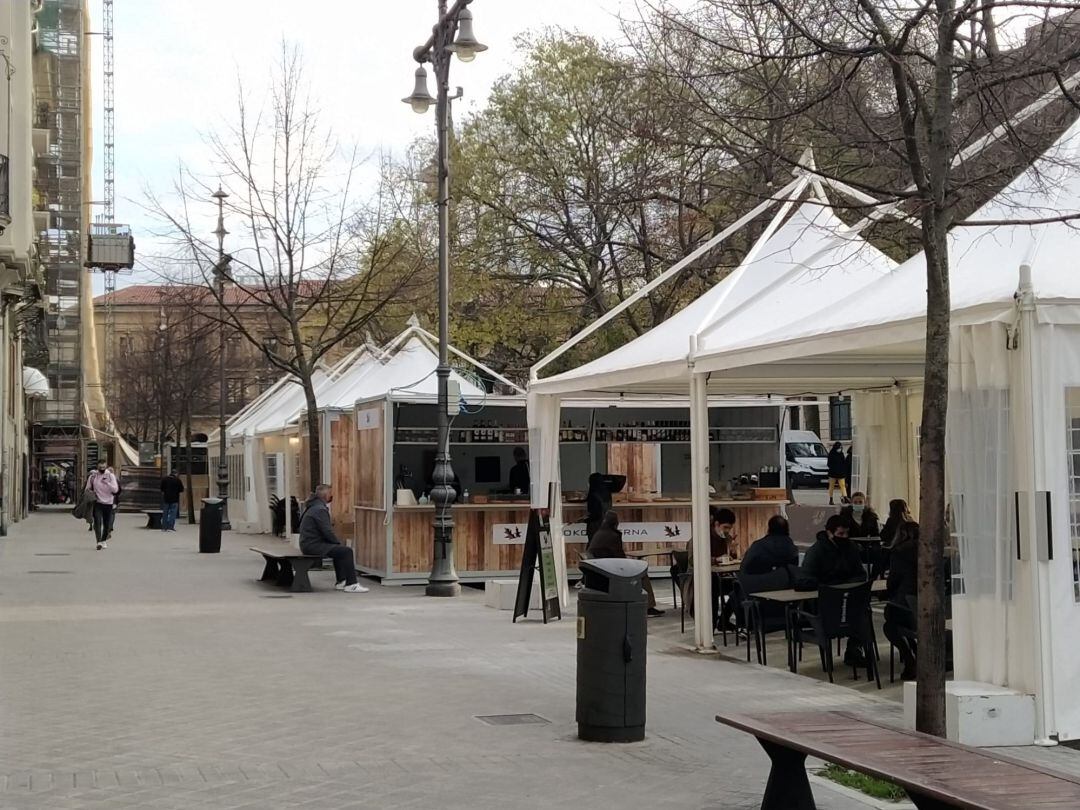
[761, 618]
[680, 574]
[842, 612]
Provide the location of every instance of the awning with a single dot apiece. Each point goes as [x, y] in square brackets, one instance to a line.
[35, 385]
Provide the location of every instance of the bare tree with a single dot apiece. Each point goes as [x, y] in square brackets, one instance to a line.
[314, 267]
[897, 100]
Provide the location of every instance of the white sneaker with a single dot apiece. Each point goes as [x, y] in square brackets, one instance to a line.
[340, 586]
[103, 544]
[100, 546]
[356, 587]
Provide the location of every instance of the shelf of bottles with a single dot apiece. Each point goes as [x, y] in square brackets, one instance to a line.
[480, 433]
[660, 432]
[678, 432]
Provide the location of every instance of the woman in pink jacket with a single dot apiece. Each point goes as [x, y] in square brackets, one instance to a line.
[104, 486]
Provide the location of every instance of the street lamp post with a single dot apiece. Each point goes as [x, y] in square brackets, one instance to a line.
[219, 274]
[451, 34]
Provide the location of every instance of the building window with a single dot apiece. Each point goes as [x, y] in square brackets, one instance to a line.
[1072, 444]
[840, 419]
[235, 391]
[270, 345]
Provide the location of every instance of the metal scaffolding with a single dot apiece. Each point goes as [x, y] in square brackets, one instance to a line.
[58, 87]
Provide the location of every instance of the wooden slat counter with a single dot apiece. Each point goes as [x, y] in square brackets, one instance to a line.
[396, 546]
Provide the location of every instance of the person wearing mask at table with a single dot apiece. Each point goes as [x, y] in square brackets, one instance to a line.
[520, 478]
[834, 560]
[722, 536]
[902, 584]
[837, 471]
[862, 519]
[607, 544]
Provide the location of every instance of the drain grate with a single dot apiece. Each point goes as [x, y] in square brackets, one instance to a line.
[511, 719]
[52, 554]
[49, 572]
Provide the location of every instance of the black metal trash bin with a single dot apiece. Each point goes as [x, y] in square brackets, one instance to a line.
[210, 526]
[611, 647]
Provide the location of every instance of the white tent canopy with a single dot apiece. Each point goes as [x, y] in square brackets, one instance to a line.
[810, 261]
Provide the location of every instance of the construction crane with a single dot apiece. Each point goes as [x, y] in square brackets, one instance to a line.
[110, 246]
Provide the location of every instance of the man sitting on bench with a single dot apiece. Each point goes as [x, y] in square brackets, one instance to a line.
[318, 539]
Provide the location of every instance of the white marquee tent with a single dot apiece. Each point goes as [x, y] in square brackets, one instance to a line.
[799, 264]
[1014, 427]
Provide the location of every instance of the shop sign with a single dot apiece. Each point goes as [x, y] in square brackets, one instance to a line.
[368, 418]
[507, 534]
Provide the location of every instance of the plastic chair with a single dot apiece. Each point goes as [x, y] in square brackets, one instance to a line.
[843, 612]
[761, 619]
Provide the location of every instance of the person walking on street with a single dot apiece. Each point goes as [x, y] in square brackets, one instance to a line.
[103, 485]
[317, 538]
[837, 471]
[171, 487]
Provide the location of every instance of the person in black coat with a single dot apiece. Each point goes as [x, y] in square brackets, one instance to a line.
[902, 585]
[837, 471]
[317, 538]
[607, 544]
[834, 560]
[862, 519]
[898, 516]
[766, 564]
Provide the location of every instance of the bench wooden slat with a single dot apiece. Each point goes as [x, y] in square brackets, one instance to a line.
[934, 768]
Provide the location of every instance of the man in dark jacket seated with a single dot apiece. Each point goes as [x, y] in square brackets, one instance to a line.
[765, 566]
[317, 538]
[607, 544]
[834, 560]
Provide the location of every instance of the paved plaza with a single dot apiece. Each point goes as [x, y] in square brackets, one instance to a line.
[150, 676]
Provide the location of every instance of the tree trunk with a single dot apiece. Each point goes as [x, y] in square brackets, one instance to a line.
[314, 439]
[930, 705]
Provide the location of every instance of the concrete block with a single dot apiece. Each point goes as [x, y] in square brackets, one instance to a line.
[500, 593]
[981, 714]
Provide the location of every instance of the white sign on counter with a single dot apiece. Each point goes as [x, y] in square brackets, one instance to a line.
[506, 534]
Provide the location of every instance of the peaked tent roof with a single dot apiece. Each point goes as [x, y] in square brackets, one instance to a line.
[808, 262]
[408, 370]
[274, 412]
[885, 323]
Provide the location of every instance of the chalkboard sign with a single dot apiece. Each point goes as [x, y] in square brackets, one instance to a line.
[538, 554]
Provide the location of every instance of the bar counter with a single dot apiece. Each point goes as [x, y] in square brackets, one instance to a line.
[488, 537]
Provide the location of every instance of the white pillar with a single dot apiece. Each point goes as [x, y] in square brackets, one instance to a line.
[699, 509]
[287, 478]
[1030, 465]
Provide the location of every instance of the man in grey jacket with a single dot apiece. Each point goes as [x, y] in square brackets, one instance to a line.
[317, 537]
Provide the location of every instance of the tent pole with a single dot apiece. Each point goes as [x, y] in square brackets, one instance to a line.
[782, 453]
[699, 509]
[1030, 463]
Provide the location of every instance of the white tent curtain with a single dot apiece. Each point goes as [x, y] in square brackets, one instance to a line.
[991, 637]
[542, 414]
[883, 445]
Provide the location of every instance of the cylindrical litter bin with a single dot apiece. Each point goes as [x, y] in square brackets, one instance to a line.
[210, 526]
[611, 651]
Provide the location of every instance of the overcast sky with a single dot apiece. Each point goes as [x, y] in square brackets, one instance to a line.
[177, 65]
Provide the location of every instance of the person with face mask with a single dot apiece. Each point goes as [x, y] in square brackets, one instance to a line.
[318, 539]
[102, 484]
[862, 519]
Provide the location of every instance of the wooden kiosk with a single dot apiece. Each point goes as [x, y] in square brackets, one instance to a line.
[387, 438]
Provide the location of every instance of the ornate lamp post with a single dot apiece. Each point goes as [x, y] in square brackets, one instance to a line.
[220, 272]
[451, 34]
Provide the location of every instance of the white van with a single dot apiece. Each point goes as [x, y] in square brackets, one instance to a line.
[807, 459]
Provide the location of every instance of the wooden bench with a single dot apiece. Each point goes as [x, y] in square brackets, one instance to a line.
[936, 773]
[153, 518]
[287, 567]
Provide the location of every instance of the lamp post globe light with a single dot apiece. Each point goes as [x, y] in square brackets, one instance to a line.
[220, 272]
[452, 34]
